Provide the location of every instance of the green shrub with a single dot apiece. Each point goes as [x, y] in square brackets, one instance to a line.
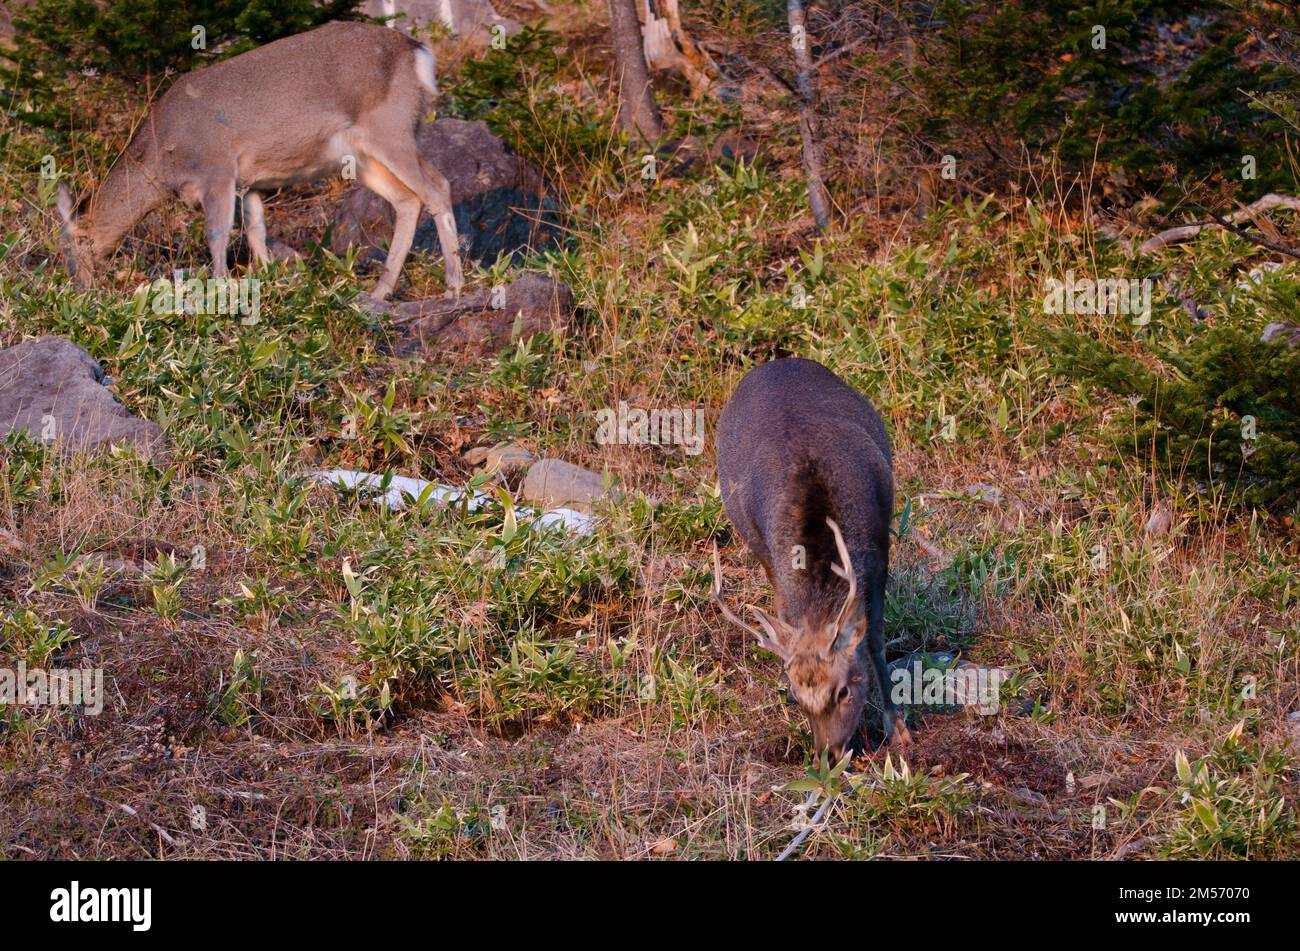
[139, 37]
[1233, 804]
[513, 90]
[1029, 70]
[1197, 418]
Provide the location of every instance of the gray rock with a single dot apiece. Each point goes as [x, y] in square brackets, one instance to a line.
[1283, 333]
[283, 252]
[489, 319]
[501, 203]
[506, 457]
[554, 483]
[55, 391]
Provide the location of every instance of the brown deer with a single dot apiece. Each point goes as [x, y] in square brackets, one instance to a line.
[808, 482]
[346, 96]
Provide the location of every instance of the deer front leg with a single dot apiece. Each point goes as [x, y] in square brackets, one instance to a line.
[218, 222]
[896, 733]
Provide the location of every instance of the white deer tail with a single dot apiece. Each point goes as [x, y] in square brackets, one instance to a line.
[424, 63]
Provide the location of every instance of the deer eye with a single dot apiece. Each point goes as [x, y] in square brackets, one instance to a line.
[842, 695]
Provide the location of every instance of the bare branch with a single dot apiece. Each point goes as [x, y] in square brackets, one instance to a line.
[1183, 233]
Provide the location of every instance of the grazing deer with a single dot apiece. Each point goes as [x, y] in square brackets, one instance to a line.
[346, 96]
[807, 480]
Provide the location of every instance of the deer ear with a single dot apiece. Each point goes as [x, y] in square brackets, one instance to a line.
[851, 634]
[65, 204]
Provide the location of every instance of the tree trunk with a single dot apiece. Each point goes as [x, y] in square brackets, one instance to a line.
[637, 110]
[818, 199]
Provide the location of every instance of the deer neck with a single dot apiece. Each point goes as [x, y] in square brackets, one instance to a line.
[129, 192]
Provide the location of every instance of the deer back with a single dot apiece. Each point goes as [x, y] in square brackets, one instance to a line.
[288, 111]
[797, 445]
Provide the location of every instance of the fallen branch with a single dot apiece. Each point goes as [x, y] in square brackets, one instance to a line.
[1183, 233]
[1271, 245]
[807, 830]
[167, 836]
[1123, 851]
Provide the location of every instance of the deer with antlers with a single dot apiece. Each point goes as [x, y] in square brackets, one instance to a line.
[807, 480]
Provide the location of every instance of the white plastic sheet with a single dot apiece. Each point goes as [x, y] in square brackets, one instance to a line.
[403, 488]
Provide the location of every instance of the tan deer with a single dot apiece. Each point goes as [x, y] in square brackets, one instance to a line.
[344, 97]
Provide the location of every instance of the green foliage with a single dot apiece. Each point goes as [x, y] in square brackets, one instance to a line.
[1233, 804]
[24, 633]
[140, 37]
[926, 610]
[445, 832]
[1165, 125]
[1196, 417]
[239, 690]
[225, 391]
[514, 90]
[546, 682]
[22, 462]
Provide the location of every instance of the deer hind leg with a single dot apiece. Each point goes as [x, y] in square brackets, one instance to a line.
[218, 221]
[255, 228]
[430, 185]
[406, 210]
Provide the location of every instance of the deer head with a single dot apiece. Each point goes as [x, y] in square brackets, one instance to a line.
[78, 246]
[827, 676]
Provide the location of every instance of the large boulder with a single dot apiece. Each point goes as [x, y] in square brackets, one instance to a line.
[465, 18]
[55, 391]
[501, 203]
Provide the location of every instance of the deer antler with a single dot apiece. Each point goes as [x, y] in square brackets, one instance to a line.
[766, 640]
[845, 572]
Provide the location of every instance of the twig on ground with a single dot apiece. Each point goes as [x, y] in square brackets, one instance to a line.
[167, 836]
[1253, 238]
[807, 830]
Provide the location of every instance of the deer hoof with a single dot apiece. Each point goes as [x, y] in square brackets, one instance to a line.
[899, 737]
